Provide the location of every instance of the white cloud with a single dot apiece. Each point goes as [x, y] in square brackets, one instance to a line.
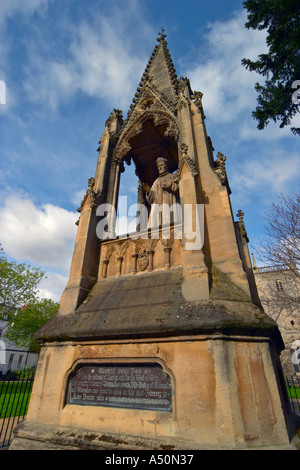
[229, 96]
[27, 7]
[101, 60]
[274, 174]
[227, 86]
[23, 11]
[52, 286]
[271, 133]
[43, 235]
[77, 197]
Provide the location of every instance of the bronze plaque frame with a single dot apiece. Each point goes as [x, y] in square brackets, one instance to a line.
[144, 386]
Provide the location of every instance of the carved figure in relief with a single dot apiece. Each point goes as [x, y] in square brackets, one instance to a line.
[163, 196]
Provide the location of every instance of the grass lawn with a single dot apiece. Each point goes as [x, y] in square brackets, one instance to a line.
[294, 392]
[14, 398]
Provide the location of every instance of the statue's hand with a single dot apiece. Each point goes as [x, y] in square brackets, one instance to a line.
[146, 188]
[167, 186]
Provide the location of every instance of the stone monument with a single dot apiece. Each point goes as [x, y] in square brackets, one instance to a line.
[160, 341]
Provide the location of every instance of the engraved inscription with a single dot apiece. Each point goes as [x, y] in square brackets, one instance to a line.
[138, 386]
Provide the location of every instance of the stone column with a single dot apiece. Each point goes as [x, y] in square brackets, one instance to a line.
[134, 258]
[150, 253]
[120, 260]
[104, 268]
[167, 251]
[220, 244]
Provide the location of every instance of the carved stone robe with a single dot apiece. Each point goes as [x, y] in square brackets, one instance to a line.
[164, 192]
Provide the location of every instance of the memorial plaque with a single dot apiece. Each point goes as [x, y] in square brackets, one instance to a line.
[138, 386]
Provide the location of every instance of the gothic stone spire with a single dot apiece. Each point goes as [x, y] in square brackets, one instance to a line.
[159, 73]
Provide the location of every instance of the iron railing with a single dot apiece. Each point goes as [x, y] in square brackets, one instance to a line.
[293, 389]
[268, 269]
[15, 391]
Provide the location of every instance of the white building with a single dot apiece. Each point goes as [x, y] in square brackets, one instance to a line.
[11, 357]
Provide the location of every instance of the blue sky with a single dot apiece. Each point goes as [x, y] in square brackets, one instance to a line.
[67, 64]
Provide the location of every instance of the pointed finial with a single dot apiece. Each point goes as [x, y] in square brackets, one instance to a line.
[240, 215]
[161, 35]
[253, 261]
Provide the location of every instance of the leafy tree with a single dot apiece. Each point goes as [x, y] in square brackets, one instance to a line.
[281, 65]
[27, 320]
[19, 304]
[18, 285]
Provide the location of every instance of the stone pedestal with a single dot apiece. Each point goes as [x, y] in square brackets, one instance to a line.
[224, 376]
[225, 396]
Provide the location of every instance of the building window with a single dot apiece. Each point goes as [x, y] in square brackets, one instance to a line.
[279, 286]
[10, 360]
[20, 359]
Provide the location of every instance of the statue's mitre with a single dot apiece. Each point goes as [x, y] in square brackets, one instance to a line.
[161, 159]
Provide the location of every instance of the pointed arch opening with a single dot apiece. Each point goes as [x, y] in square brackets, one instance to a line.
[150, 143]
[152, 137]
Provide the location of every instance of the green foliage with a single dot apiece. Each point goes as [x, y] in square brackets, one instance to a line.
[21, 374]
[18, 285]
[19, 305]
[28, 320]
[281, 65]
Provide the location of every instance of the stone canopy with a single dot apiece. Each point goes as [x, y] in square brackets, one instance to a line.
[214, 286]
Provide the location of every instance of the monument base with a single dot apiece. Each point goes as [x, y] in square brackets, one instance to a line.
[36, 436]
[224, 395]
